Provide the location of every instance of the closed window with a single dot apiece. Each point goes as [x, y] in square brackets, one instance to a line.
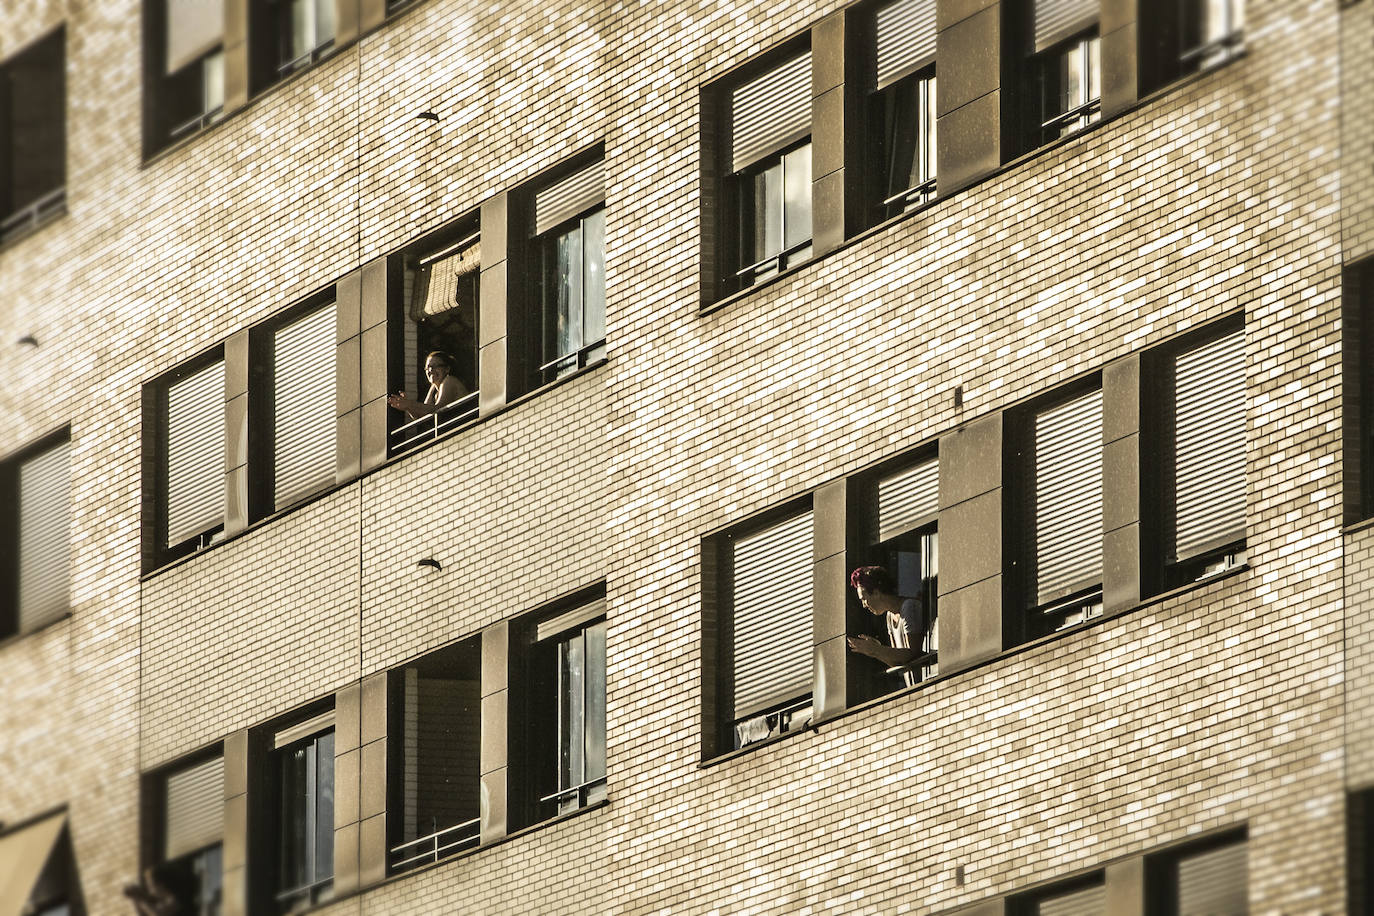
[192, 461]
[1180, 37]
[303, 29]
[765, 663]
[902, 106]
[33, 136]
[36, 540]
[1084, 896]
[185, 63]
[301, 768]
[1203, 879]
[1063, 81]
[570, 255]
[1062, 461]
[436, 795]
[769, 186]
[1357, 368]
[191, 836]
[1360, 851]
[1199, 442]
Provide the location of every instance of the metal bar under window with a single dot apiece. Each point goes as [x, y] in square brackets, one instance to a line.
[432, 426]
[580, 359]
[922, 193]
[1082, 114]
[305, 59]
[440, 842]
[774, 260]
[306, 891]
[33, 214]
[580, 791]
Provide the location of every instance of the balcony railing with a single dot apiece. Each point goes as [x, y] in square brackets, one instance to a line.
[432, 426]
[762, 726]
[580, 796]
[428, 849]
[34, 215]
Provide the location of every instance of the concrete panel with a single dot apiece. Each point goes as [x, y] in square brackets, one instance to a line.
[373, 374]
[948, 12]
[1126, 888]
[828, 52]
[829, 511]
[830, 586]
[372, 13]
[347, 375]
[372, 780]
[347, 767]
[373, 308]
[1120, 70]
[491, 320]
[348, 306]
[348, 444]
[235, 843]
[236, 764]
[970, 625]
[1116, 14]
[346, 23]
[1120, 398]
[827, 212]
[969, 143]
[236, 432]
[374, 434]
[970, 460]
[347, 716]
[970, 55]
[236, 500]
[236, 364]
[495, 659]
[346, 859]
[493, 813]
[372, 851]
[1120, 482]
[829, 695]
[372, 708]
[494, 220]
[492, 377]
[970, 541]
[1121, 569]
[493, 743]
[828, 123]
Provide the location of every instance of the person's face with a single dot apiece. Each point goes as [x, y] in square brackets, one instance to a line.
[435, 370]
[867, 599]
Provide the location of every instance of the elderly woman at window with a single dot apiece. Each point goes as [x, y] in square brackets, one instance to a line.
[444, 388]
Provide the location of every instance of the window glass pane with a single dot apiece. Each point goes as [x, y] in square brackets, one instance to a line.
[594, 292]
[571, 722]
[293, 812]
[563, 296]
[324, 22]
[928, 122]
[213, 94]
[1071, 79]
[797, 196]
[596, 701]
[324, 807]
[767, 214]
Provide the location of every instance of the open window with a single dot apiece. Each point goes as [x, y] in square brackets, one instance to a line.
[1180, 37]
[33, 136]
[184, 67]
[435, 713]
[301, 774]
[569, 260]
[561, 698]
[289, 35]
[1063, 80]
[35, 536]
[187, 843]
[1196, 454]
[440, 305]
[1059, 464]
[901, 107]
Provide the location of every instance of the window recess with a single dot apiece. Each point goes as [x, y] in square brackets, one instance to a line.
[1209, 877]
[193, 458]
[769, 150]
[33, 136]
[301, 354]
[1086, 896]
[185, 66]
[35, 537]
[302, 32]
[1181, 37]
[302, 770]
[192, 833]
[1064, 69]
[902, 106]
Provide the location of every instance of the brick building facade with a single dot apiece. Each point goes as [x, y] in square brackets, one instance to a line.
[711, 356]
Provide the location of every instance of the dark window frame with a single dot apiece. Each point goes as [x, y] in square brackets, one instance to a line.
[1161, 869]
[884, 107]
[270, 32]
[1164, 50]
[171, 111]
[1027, 903]
[172, 873]
[24, 209]
[11, 533]
[1357, 346]
[544, 250]
[1045, 124]
[319, 889]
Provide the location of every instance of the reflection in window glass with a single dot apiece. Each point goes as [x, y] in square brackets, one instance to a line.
[907, 111]
[1071, 88]
[306, 783]
[582, 718]
[776, 218]
[574, 296]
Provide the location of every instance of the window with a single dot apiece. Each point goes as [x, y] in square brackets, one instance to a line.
[36, 529]
[185, 67]
[570, 262]
[1064, 73]
[301, 32]
[563, 696]
[40, 869]
[904, 533]
[293, 385]
[191, 835]
[302, 771]
[192, 456]
[1360, 850]
[769, 188]
[1357, 321]
[1085, 896]
[1202, 878]
[33, 136]
[1061, 460]
[1180, 37]
[902, 106]
[440, 297]
[436, 712]
[1199, 458]
[764, 665]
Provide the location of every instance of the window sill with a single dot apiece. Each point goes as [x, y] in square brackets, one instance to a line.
[1357, 527]
[16, 638]
[54, 215]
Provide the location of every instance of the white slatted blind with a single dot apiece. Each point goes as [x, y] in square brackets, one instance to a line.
[195, 808]
[770, 112]
[195, 454]
[194, 28]
[303, 406]
[1068, 497]
[772, 615]
[1209, 446]
[908, 497]
[437, 282]
[1087, 901]
[1058, 20]
[575, 194]
[1213, 883]
[44, 538]
[905, 38]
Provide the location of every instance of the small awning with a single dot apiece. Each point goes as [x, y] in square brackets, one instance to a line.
[23, 853]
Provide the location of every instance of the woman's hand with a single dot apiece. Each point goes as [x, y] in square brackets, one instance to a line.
[867, 645]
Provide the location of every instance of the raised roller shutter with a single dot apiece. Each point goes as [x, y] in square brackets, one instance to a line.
[1209, 446]
[1213, 883]
[770, 112]
[195, 808]
[44, 538]
[575, 194]
[1059, 20]
[194, 29]
[908, 498]
[1087, 901]
[195, 454]
[303, 406]
[772, 616]
[904, 32]
[1068, 497]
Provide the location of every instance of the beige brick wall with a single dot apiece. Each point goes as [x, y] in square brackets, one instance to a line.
[1224, 705]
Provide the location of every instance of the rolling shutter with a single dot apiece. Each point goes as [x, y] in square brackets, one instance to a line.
[1088, 901]
[194, 29]
[907, 498]
[44, 538]
[438, 279]
[772, 616]
[1209, 446]
[905, 38]
[195, 454]
[1068, 497]
[770, 112]
[573, 195]
[1213, 883]
[302, 730]
[303, 406]
[195, 808]
[1059, 20]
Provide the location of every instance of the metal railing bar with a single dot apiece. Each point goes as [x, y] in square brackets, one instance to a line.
[925, 187]
[775, 259]
[575, 790]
